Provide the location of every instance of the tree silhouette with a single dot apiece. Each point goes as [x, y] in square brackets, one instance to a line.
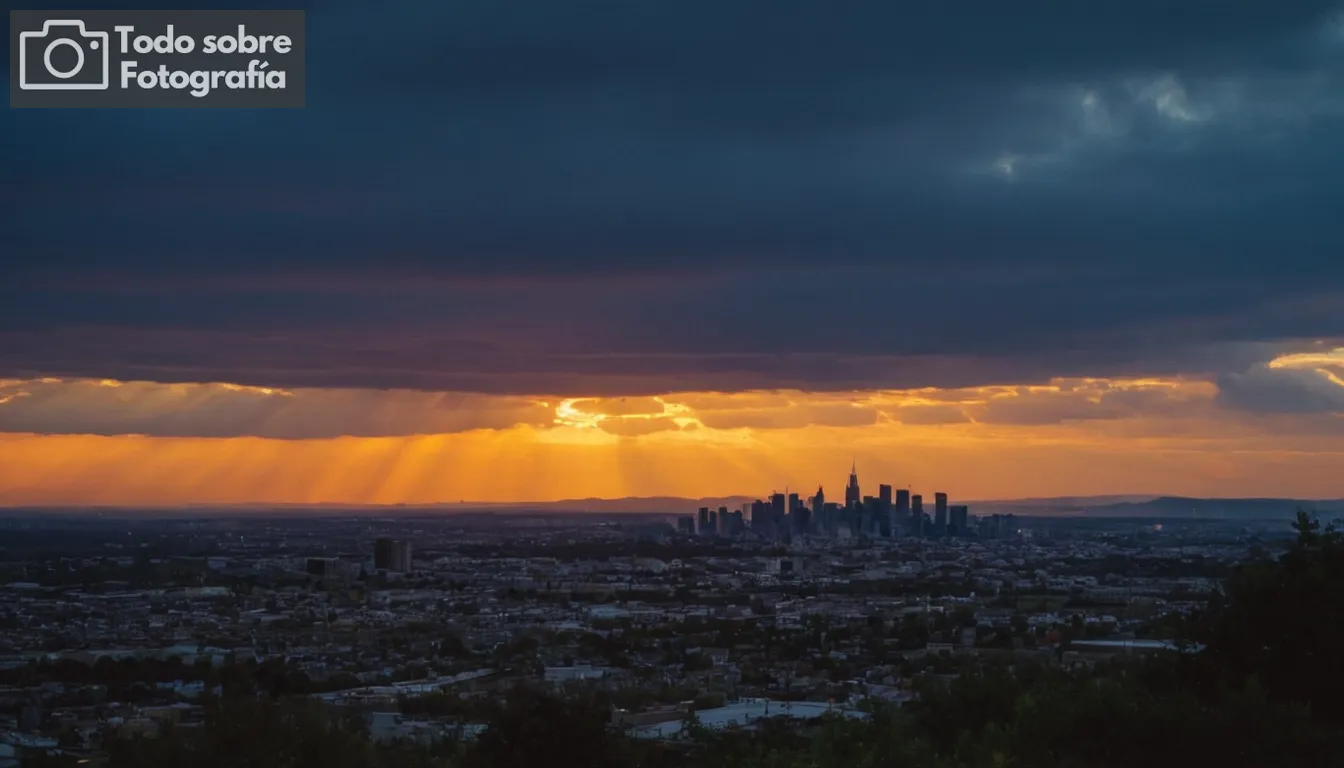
[1279, 621]
[537, 729]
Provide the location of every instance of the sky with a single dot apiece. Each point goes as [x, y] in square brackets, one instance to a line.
[527, 250]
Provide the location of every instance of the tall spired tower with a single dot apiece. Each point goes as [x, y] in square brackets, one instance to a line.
[852, 497]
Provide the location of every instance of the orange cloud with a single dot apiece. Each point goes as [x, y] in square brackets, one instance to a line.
[621, 406]
[75, 442]
[930, 414]
[228, 410]
[635, 427]
[524, 463]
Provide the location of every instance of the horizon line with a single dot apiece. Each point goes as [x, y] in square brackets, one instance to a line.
[1140, 497]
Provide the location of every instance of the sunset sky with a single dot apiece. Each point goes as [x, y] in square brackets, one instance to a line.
[535, 250]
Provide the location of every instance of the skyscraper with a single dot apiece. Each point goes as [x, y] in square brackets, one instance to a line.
[958, 514]
[819, 519]
[883, 512]
[917, 515]
[852, 498]
[940, 514]
[801, 520]
[735, 524]
[392, 555]
[902, 511]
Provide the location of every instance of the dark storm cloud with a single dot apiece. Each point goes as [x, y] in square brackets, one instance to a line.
[1269, 390]
[624, 197]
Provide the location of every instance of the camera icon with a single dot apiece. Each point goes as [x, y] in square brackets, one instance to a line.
[45, 58]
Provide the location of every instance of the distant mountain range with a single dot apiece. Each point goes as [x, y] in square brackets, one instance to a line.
[1164, 507]
[1145, 505]
[1089, 506]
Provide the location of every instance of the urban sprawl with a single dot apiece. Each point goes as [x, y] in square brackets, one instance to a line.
[122, 628]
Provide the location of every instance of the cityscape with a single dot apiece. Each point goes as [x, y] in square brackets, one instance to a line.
[785, 515]
[673, 384]
[424, 632]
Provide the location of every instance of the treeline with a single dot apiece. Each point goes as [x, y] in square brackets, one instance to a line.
[1026, 717]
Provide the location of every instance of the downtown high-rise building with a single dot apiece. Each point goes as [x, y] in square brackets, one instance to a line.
[853, 499]
[778, 514]
[939, 514]
[958, 520]
[901, 513]
[882, 513]
[736, 523]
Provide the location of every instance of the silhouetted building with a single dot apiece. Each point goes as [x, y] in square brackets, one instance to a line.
[778, 513]
[819, 519]
[703, 525]
[917, 515]
[735, 523]
[721, 522]
[957, 519]
[686, 525]
[802, 520]
[852, 497]
[882, 511]
[392, 555]
[997, 526]
[901, 513]
[831, 513]
[868, 515]
[939, 514]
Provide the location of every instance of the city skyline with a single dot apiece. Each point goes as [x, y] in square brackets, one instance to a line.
[782, 516]
[997, 248]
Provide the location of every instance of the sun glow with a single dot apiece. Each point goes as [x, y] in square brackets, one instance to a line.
[139, 443]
